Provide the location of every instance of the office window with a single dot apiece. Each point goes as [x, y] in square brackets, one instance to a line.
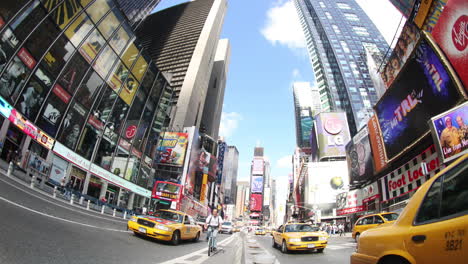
[336, 29]
[351, 17]
[343, 6]
[42, 38]
[23, 24]
[361, 31]
[105, 104]
[322, 5]
[57, 56]
[118, 116]
[328, 15]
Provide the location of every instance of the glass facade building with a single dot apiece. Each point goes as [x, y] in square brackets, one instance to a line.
[83, 95]
[337, 33]
[137, 10]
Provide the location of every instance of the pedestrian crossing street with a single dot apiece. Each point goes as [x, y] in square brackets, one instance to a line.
[341, 246]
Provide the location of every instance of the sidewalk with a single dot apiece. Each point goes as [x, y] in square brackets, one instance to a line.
[47, 189]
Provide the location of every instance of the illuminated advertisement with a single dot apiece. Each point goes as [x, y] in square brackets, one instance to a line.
[424, 7]
[433, 15]
[332, 134]
[306, 127]
[450, 132]
[257, 184]
[166, 191]
[349, 202]
[326, 180]
[257, 167]
[5, 108]
[408, 38]
[221, 150]
[172, 148]
[423, 90]
[256, 202]
[451, 33]
[376, 143]
[359, 157]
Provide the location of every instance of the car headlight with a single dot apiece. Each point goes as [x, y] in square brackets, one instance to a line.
[134, 219]
[163, 227]
[294, 240]
[323, 238]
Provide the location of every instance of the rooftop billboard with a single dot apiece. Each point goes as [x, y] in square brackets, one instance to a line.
[332, 134]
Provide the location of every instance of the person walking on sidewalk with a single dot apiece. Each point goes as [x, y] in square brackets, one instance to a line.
[341, 229]
[68, 188]
[62, 185]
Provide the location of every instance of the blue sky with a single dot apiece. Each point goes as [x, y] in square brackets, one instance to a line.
[267, 56]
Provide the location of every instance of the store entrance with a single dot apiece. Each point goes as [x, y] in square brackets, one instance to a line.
[12, 143]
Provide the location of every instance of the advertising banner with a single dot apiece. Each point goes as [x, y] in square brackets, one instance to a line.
[450, 132]
[359, 157]
[219, 173]
[326, 180]
[172, 148]
[411, 175]
[377, 144]
[256, 202]
[38, 165]
[5, 108]
[166, 191]
[30, 129]
[333, 134]
[257, 168]
[408, 38]
[423, 90]
[451, 33]
[424, 7]
[437, 7]
[257, 184]
[306, 128]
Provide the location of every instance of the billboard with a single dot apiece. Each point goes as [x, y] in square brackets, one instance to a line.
[332, 134]
[359, 157]
[451, 34]
[257, 167]
[407, 41]
[423, 89]
[433, 15]
[256, 202]
[306, 128]
[172, 148]
[450, 132]
[257, 184]
[376, 143]
[221, 150]
[349, 202]
[326, 180]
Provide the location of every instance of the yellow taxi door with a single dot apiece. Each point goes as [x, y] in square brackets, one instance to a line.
[367, 223]
[193, 228]
[186, 229]
[277, 235]
[440, 228]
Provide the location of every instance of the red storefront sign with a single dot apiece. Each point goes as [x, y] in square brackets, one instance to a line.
[351, 210]
[61, 93]
[26, 58]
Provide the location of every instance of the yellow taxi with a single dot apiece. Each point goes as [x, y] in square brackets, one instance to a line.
[431, 228]
[236, 229]
[260, 231]
[298, 236]
[166, 225]
[370, 221]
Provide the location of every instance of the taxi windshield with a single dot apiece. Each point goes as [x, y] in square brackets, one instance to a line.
[390, 217]
[301, 228]
[166, 215]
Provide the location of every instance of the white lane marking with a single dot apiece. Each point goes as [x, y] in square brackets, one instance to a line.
[59, 205]
[61, 219]
[202, 252]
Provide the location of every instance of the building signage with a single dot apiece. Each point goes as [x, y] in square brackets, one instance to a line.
[420, 17]
[423, 90]
[130, 131]
[71, 156]
[44, 139]
[5, 108]
[377, 145]
[433, 15]
[203, 188]
[359, 157]
[349, 202]
[219, 172]
[333, 134]
[257, 184]
[257, 167]
[256, 202]
[61, 93]
[114, 179]
[26, 58]
[411, 176]
[450, 132]
[370, 192]
[30, 129]
[172, 148]
[451, 33]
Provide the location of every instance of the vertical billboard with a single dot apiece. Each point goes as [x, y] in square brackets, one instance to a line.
[172, 148]
[256, 202]
[359, 157]
[257, 184]
[332, 134]
[377, 144]
[257, 167]
[450, 132]
[451, 33]
[219, 173]
[423, 89]
[433, 15]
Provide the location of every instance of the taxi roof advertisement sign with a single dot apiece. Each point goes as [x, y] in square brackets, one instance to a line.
[423, 89]
[450, 132]
[332, 134]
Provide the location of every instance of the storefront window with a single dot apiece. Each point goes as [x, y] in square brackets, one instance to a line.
[92, 45]
[88, 140]
[130, 55]
[132, 169]
[8, 8]
[98, 9]
[65, 13]
[53, 110]
[23, 24]
[89, 89]
[73, 73]
[121, 158]
[144, 176]
[120, 39]
[13, 79]
[14, 137]
[72, 125]
[105, 62]
[35, 147]
[58, 55]
[31, 98]
[42, 37]
[140, 68]
[104, 152]
[79, 29]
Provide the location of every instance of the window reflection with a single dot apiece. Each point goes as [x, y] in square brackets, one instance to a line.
[130, 55]
[13, 79]
[105, 62]
[89, 89]
[118, 76]
[121, 38]
[65, 13]
[57, 56]
[72, 124]
[42, 38]
[53, 110]
[98, 9]
[79, 29]
[32, 98]
[73, 73]
[129, 89]
[8, 8]
[27, 20]
[104, 107]
[140, 67]
[92, 45]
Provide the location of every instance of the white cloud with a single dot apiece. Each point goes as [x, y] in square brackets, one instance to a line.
[296, 74]
[282, 26]
[229, 123]
[284, 162]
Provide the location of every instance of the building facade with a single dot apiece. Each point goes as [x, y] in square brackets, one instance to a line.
[136, 10]
[242, 187]
[229, 180]
[82, 96]
[336, 33]
[306, 106]
[183, 40]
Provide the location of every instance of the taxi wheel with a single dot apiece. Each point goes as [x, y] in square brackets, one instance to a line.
[197, 237]
[284, 247]
[175, 238]
[357, 237]
[393, 260]
[320, 250]
[273, 244]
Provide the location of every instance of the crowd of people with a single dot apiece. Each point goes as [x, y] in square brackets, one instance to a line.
[334, 228]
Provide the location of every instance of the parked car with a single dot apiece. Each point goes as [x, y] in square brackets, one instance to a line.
[431, 228]
[226, 227]
[370, 221]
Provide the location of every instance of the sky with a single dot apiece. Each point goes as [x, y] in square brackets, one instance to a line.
[267, 55]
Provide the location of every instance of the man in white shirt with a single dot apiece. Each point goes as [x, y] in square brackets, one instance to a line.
[213, 224]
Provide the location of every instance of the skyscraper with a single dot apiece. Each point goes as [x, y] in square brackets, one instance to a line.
[183, 40]
[136, 10]
[242, 186]
[230, 166]
[336, 33]
[306, 106]
[212, 110]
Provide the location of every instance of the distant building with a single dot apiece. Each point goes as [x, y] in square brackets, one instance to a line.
[242, 187]
[306, 106]
[229, 178]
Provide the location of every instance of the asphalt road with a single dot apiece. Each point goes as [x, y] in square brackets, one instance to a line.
[36, 228]
[338, 251]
